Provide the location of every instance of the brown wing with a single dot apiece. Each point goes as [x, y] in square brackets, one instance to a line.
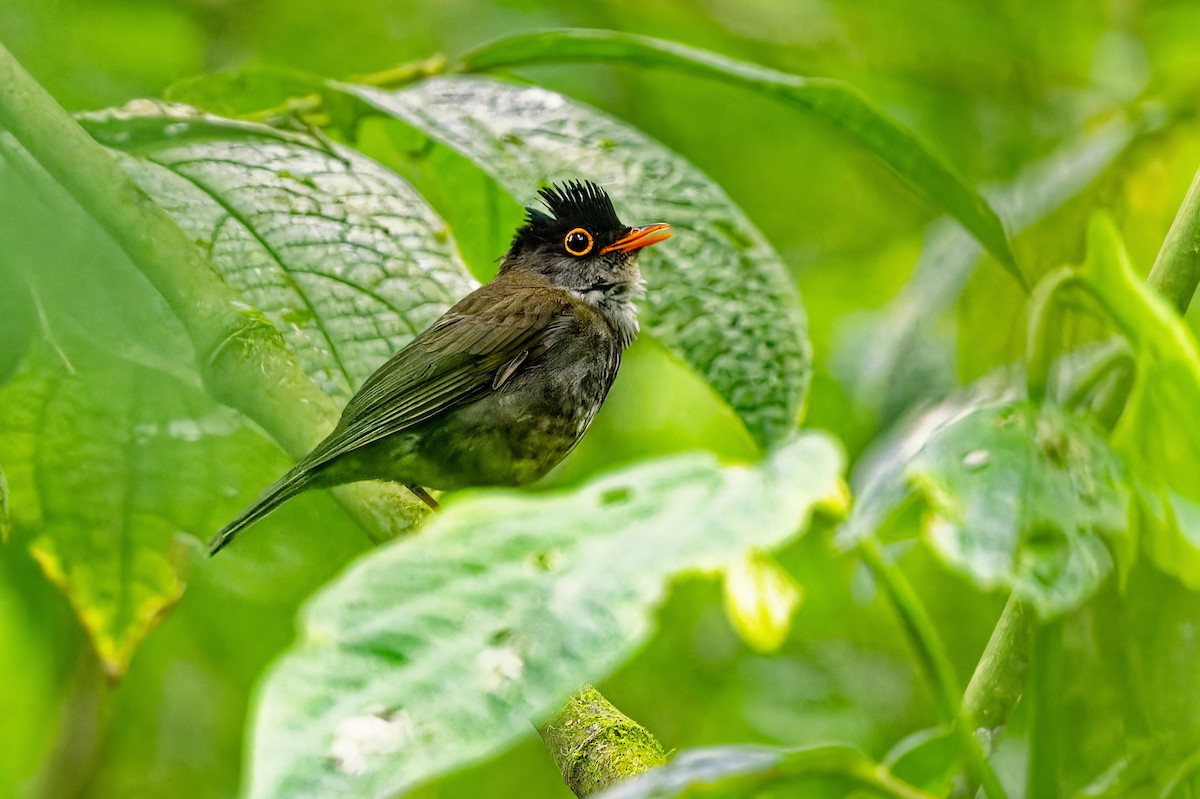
[467, 352]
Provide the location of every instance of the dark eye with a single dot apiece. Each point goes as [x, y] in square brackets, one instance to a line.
[578, 242]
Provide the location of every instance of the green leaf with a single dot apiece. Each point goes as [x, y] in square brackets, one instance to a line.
[878, 483]
[1025, 497]
[438, 650]
[735, 772]
[342, 255]
[109, 462]
[837, 102]
[242, 91]
[1159, 432]
[718, 296]
[1021, 496]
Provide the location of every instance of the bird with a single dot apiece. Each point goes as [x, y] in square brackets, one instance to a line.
[505, 383]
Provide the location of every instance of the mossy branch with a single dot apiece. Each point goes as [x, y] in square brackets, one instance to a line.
[596, 746]
[243, 360]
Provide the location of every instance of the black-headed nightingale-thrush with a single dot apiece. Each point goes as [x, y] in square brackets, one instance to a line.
[501, 387]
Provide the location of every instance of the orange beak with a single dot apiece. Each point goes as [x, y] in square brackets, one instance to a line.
[640, 237]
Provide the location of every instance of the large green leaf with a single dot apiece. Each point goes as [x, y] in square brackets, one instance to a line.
[1159, 432]
[836, 101]
[1027, 497]
[1017, 495]
[438, 650]
[718, 295]
[341, 254]
[109, 461]
[735, 772]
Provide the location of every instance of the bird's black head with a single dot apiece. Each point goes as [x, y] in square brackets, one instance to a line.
[578, 226]
[580, 245]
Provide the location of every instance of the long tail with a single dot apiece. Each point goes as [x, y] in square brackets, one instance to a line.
[283, 489]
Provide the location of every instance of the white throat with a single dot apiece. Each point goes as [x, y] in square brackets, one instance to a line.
[616, 304]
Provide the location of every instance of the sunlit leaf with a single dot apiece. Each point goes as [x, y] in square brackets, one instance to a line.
[1025, 497]
[109, 461]
[718, 295]
[342, 255]
[734, 772]
[1159, 432]
[837, 102]
[437, 650]
[760, 599]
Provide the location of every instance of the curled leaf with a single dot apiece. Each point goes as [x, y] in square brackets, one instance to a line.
[1159, 432]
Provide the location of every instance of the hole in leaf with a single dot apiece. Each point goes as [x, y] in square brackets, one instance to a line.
[615, 496]
[1045, 540]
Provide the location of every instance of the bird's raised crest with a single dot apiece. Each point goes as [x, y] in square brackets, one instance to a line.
[574, 203]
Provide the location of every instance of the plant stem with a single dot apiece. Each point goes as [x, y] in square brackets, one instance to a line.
[1112, 356]
[935, 662]
[999, 678]
[1043, 306]
[242, 357]
[70, 764]
[1045, 738]
[1176, 270]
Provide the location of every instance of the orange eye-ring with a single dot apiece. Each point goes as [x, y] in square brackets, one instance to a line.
[578, 242]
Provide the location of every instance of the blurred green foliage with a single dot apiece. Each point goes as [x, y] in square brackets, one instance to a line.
[993, 88]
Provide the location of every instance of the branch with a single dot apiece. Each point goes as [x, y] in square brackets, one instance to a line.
[243, 359]
[596, 746]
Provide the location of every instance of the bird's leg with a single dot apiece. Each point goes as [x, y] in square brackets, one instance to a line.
[423, 495]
